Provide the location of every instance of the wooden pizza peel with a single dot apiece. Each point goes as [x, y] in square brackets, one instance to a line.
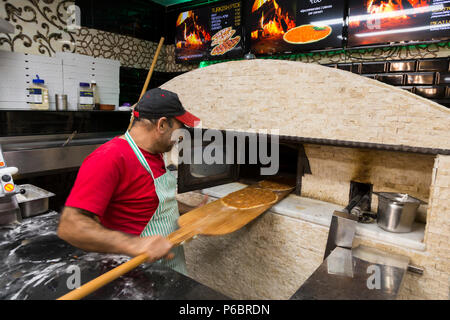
[212, 219]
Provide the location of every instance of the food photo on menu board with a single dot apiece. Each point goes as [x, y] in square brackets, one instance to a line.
[226, 31]
[384, 21]
[283, 26]
[268, 21]
[319, 25]
[192, 35]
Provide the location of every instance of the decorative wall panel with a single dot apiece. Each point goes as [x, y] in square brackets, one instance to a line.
[131, 52]
[40, 26]
[379, 54]
[437, 50]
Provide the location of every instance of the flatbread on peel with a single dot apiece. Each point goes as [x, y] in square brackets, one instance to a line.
[250, 198]
[278, 184]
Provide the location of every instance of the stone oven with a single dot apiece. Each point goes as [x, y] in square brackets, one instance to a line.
[353, 129]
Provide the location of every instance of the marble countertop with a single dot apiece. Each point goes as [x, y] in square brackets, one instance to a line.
[36, 264]
[320, 212]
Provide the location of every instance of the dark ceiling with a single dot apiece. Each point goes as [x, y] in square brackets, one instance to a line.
[168, 3]
[143, 19]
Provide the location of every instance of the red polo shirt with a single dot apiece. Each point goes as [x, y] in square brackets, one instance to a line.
[113, 184]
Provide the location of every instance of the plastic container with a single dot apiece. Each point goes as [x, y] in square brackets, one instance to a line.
[85, 97]
[125, 107]
[38, 95]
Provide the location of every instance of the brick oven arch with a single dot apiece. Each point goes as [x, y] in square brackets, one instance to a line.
[311, 101]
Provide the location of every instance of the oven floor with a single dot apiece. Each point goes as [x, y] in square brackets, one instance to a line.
[320, 212]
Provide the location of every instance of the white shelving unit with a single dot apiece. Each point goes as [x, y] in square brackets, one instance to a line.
[81, 68]
[62, 75]
[19, 70]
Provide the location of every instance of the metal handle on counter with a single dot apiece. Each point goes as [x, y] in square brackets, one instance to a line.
[415, 269]
[16, 192]
[69, 139]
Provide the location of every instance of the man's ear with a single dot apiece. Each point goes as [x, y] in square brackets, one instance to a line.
[162, 124]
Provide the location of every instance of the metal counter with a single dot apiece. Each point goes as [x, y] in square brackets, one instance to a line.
[361, 273]
[36, 265]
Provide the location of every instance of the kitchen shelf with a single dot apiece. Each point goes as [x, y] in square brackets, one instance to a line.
[320, 212]
[410, 240]
[5, 26]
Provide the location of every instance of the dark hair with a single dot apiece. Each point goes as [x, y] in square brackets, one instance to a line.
[154, 121]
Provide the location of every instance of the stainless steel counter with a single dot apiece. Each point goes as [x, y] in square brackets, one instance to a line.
[360, 274]
[40, 154]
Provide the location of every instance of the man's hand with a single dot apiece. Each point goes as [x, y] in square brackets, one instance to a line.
[204, 201]
[80, 229]
[156, 247]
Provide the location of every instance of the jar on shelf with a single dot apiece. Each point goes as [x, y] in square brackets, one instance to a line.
[85, 97]
[38, 95]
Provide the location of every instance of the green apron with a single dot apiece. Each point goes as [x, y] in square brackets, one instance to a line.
[164, 220]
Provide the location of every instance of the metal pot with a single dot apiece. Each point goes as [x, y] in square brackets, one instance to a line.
[396, 211]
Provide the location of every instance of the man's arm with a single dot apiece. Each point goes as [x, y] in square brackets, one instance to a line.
[80, 229]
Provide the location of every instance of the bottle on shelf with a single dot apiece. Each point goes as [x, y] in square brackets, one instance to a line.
[85, 97]
[38, 95]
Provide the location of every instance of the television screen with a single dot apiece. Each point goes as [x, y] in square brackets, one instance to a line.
[283, 26]
[193, 36]
[383, 21]
[226, 31]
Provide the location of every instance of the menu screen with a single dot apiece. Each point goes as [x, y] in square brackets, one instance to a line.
[226, 31]
[279, 26]
[382, 21]
[213, 32]
[192, 35]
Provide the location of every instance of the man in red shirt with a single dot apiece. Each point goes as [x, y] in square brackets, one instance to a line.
[123, 195]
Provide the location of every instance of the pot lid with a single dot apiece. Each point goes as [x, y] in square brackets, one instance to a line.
[398, 197]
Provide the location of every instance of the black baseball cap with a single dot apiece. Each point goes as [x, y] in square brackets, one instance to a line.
[157, 103]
